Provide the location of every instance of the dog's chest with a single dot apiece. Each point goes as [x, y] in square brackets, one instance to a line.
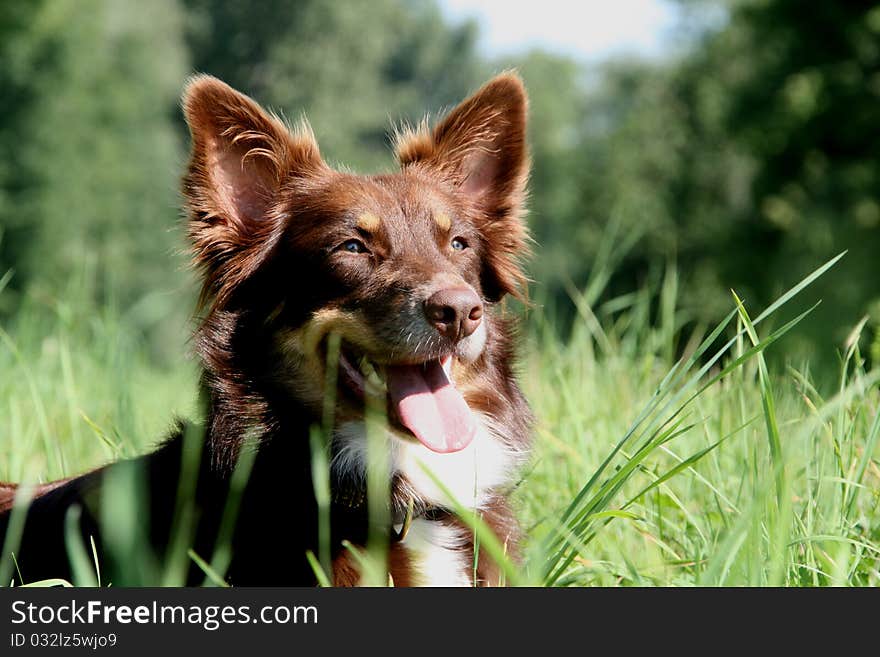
[432, 553]
[468, 476]
[436, 554]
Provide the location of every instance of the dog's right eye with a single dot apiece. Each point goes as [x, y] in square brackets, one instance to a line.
[352, 246]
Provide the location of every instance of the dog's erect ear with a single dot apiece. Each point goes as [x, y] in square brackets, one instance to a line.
[480, 148]
[241, 157]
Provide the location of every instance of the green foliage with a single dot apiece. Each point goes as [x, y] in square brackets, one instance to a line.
[711, 469]
[650, 471]
[90, 149]
[746, 158]
[81, 387]
[351, 68]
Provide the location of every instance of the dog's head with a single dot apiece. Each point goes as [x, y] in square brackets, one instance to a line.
[403, 268]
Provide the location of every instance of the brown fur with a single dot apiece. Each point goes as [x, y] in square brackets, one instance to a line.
[489, 126]
[268, 220]
[7, 496]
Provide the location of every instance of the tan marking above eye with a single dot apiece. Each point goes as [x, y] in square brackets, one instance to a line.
[442, 219]
[369, 222]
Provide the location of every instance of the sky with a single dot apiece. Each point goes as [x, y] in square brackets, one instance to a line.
[585, 29]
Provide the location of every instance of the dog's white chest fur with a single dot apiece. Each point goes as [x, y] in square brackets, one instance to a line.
[436, 550]
[469, 475]
[436, 554]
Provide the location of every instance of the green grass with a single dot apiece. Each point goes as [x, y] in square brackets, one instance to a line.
[79, 388]
[757, 480]
[661, 457]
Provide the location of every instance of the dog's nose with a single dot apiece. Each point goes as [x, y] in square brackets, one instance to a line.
[455, 312]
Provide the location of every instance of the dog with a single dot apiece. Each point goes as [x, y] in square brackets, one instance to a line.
[390, 285]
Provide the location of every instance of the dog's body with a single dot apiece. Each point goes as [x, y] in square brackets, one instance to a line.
[386, 286]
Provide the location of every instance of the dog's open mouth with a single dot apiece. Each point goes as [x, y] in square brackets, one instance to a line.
[422, 397]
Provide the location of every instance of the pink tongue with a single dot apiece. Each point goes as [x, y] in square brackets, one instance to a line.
[428, 404]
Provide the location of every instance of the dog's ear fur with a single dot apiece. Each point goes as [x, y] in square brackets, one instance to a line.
[480, 149]
[241, 157]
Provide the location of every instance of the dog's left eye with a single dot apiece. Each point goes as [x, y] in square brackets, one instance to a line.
[353, 246]
[458, 244]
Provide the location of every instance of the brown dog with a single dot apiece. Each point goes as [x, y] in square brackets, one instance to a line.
[403, 273]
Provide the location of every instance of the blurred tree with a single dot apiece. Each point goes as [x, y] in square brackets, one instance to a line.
[557, 97]
[351, 68]
[750, 160]
[89, 144]
[232, 40]
[748, 157]
[804, 108]
[17, 97]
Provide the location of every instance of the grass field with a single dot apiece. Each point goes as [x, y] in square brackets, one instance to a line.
[660, 458]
